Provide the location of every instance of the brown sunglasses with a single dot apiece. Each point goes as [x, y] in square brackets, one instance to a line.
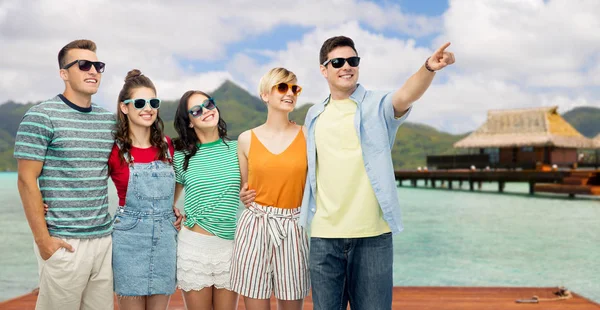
[283, 88]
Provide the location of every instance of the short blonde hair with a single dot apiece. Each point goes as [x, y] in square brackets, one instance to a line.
[274, 77]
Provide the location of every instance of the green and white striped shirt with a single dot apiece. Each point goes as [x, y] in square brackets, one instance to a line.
[74, 143]
[212, 185]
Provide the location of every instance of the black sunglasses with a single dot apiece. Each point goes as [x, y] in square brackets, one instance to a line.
[208, 104]
[86, 65]
[339, 62]
[141, 103]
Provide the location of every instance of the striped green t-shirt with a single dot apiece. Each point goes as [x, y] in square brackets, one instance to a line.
[212, 186]
[74, 143]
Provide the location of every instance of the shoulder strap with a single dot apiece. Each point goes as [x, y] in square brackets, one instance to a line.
[168, 155]
[127, 156]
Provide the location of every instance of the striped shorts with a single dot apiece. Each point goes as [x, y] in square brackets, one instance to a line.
[270, 254]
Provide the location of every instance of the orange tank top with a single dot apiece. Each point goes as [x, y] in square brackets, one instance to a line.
[278, 178]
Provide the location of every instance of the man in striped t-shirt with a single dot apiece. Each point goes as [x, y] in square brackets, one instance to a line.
[64, 143]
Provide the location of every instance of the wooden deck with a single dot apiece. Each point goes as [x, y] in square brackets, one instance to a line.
[575, 182]
[421, 298]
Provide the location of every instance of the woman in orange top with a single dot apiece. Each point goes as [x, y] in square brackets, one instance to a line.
[270, 249]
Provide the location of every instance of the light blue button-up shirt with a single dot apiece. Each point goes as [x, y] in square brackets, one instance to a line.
[376, 128]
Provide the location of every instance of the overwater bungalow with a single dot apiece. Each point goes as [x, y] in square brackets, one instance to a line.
[521, 138]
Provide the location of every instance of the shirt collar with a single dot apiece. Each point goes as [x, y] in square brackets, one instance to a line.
[74, 106]
[357, 96]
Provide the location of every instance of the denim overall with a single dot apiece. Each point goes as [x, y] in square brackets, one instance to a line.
[144, 238]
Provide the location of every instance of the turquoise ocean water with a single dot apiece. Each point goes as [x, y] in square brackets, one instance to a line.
[451, 238]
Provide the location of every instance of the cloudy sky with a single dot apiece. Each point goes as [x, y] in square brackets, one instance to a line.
[509, 53]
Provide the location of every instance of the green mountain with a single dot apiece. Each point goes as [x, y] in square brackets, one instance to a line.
[239, 109]
[10, 117]
[242, 110]
[585, 119]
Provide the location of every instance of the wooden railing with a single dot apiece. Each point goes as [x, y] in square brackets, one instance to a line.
[477, 177]
[458, 161]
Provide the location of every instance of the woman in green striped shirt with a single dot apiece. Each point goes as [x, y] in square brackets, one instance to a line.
[206, 165]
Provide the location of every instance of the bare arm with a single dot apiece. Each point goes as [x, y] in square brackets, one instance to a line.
[178, 190]
[31, 197]
[242, 151]
[418, 83]
[246, 196]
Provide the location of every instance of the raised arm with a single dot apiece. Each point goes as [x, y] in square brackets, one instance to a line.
[418, 83]
[31, 197]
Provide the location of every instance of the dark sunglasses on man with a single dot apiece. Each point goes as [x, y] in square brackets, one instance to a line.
[86, 65]
[339, 62]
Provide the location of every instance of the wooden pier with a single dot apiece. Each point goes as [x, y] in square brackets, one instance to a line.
[578, 182]
[574, 182]
[420, 298]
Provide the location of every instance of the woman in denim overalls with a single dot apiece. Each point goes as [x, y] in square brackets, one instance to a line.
[145, 235]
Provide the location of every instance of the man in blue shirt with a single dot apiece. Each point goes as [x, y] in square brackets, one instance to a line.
[350, 200]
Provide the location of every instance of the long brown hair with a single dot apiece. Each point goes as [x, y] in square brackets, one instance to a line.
[187, 141]
[133, 80]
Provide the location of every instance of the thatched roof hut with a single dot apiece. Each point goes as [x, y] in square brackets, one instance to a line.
[534, 127]
[597, 141]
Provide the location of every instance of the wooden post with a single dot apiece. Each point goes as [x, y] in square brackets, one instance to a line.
[433, 183]
[500, 186]
[450, 184]
[399, 183]
[471, 186]
[572, 196]
[531, 188]
[414, 182]
[426, 182]
[460, 184]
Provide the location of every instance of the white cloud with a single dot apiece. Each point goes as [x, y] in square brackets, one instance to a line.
[509, 53]
[568, 79]
[513, 54]
[385, 62]
[154, 36]
[515, 39]
[461, 104]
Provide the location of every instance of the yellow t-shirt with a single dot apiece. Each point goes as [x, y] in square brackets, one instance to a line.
[346, 203]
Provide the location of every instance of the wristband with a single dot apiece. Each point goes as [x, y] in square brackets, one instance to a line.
[427, 65]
